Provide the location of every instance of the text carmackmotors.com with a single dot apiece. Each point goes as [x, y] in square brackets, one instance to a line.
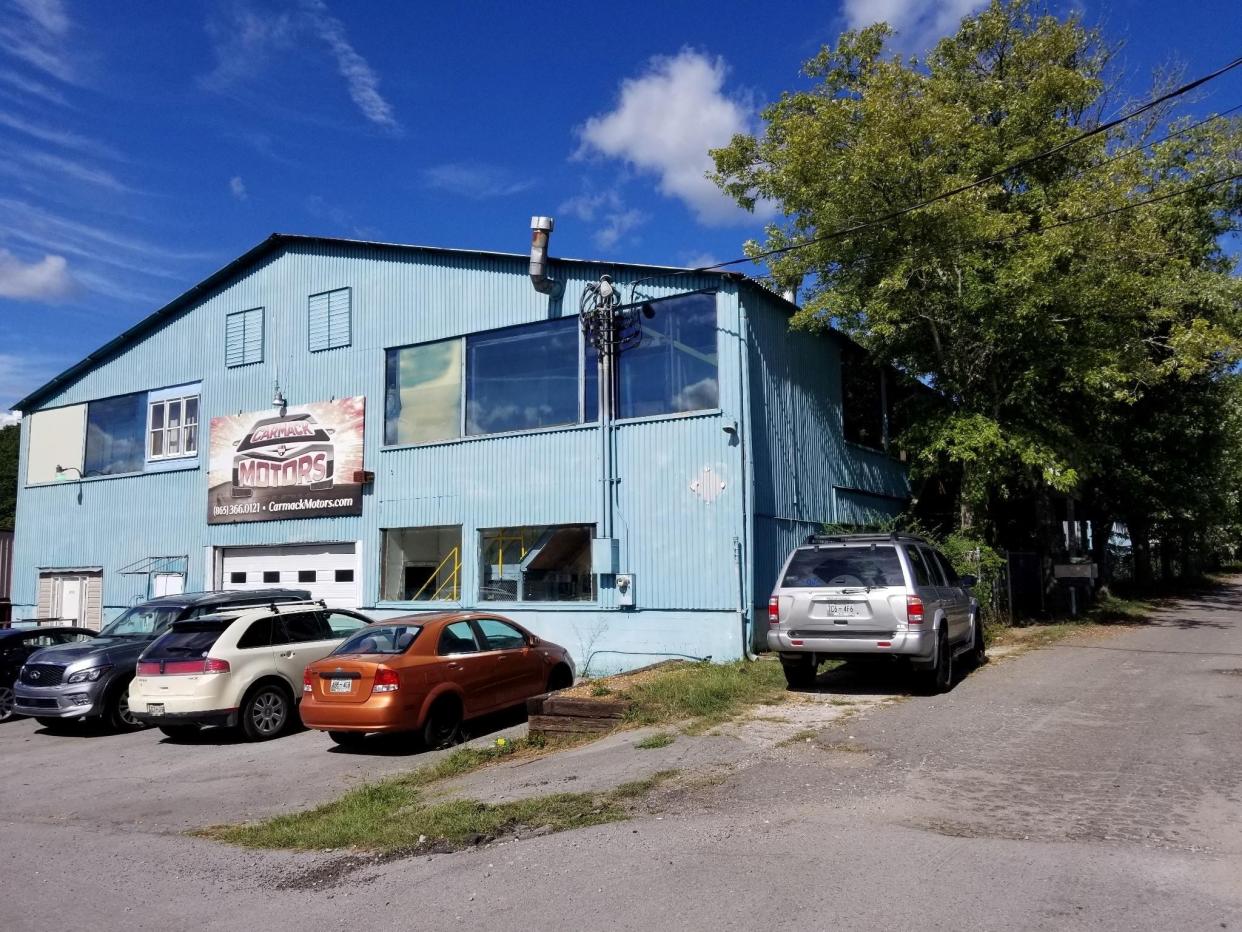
[301, 504]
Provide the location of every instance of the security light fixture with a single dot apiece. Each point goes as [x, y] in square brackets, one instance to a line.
[62, 470]
[278, 401]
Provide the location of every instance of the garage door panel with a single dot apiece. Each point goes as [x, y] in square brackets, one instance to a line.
[327, 571]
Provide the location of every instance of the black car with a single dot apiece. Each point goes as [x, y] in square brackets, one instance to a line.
[16, 644]
[61, 684]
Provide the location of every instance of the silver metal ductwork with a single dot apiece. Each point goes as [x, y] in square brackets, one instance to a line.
[540, 232]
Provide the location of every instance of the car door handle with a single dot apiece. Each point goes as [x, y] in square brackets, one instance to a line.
[288, 653]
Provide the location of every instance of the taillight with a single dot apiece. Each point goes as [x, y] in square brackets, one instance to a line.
[149, 668]
[182, 667]
[307, 682]
[774, 611]
[214, 665]
[914, 610]
[385, 681]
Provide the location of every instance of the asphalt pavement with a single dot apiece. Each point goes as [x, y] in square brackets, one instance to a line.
[1095, 784]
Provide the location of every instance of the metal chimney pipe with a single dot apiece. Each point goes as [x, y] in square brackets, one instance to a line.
[540, 232]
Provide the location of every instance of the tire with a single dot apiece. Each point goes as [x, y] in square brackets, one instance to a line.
[940, 677]
[800, 674]
[348, 739]
[179, 732]
[560, 678]
[265, 712]
[116, 711]
[443, 724]
[6, 703]
[979, 650]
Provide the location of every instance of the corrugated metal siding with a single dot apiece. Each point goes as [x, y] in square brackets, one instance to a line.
[679, 545]
[6, 565]
[798, 453]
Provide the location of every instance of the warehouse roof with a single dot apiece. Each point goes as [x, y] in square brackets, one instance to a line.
[279, 240]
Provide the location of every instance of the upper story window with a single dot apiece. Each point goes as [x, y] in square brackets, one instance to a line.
[115, 435]
[172, 424]
[422, 393]
[329, 323]
[674, 368]
[524, 377]
[243, 337]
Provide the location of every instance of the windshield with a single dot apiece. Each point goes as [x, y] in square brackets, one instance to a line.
[381, 639]
[875, 567]
[141, 621]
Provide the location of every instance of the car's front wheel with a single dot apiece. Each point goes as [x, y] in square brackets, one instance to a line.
[800, 673]
[265, 712]
[117, 713]
[6, 703]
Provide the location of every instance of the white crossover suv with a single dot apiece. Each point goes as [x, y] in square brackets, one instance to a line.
[240, 668]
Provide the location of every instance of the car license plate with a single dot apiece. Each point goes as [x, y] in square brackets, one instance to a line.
[841, 610]
[340, 686]
[155, 708]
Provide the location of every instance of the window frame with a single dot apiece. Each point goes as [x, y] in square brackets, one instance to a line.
[549, 531]
[443, 558]
[86, 471]
[163, 402]
[485, 638]
[478, 647]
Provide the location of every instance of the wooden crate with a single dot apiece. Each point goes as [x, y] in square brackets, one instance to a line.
[550, 714]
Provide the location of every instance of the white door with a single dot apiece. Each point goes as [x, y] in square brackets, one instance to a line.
[70, 599]
[327, 571]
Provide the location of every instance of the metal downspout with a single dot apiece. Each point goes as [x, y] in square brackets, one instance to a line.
[744, 548]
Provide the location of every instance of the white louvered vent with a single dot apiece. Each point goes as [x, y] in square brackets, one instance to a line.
[329, 324]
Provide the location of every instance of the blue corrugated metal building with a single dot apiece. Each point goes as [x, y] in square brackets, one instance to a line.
[439, 446]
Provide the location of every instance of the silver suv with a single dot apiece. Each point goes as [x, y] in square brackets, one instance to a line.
[852, 596]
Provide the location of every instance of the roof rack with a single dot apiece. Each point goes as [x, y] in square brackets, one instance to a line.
[818, 540]
[275, 607]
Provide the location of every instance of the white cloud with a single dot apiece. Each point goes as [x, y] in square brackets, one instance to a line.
[475, 180]
[244, 39]
[9, 418]
[36, 36]
[47, 281]
[58, 137]
[238, 188]
[360, 78]
[613, 220]
[32, 87]
[78, 171]
[664, 123]
[21, 373]
[698, 260]
[919, 23]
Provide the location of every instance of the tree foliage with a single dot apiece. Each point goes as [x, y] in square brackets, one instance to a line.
[10, 438]
[1049, 308]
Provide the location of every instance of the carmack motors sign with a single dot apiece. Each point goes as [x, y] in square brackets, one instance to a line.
[267, 467]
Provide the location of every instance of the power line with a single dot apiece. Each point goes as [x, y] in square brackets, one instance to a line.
[979, 182]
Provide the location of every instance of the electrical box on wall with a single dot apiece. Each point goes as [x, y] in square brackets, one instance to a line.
[625, 590]
[605, 555]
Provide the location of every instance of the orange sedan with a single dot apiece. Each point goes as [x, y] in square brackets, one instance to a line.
[427, 674]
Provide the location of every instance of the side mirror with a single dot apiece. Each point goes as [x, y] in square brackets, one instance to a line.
[969, 582]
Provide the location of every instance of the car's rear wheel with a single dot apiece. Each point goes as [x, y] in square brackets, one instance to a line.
[940, 677]
[800, 673]
[179, 732]
[117, 713]
[348, 739]
[443, 724]
[6, 703]
[265, 712]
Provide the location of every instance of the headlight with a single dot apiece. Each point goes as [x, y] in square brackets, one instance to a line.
[87, 676]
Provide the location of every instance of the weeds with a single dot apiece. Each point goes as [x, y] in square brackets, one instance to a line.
[660, 740]
[708, 693]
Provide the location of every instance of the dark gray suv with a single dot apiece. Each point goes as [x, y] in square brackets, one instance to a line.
[62, 684]
[856, 596]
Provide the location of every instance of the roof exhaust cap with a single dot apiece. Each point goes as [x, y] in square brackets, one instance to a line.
[540, 232]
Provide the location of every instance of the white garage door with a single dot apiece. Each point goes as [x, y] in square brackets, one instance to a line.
[327, 571]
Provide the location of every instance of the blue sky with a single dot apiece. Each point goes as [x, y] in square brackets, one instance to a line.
[143, 145]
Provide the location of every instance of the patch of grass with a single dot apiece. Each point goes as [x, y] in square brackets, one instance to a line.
[660, 740]
[709, 693]
[600, 690]
[393, 815]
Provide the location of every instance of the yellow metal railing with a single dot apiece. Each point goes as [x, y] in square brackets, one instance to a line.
[451, 585]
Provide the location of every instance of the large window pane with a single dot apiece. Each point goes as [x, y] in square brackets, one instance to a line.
[536, 564]
[422, 397]
[115, 435]
[673, 369]
[421, 564]
[522, 377]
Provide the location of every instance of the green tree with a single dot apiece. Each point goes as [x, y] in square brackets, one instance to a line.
[10, 439]
[1036, 326]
